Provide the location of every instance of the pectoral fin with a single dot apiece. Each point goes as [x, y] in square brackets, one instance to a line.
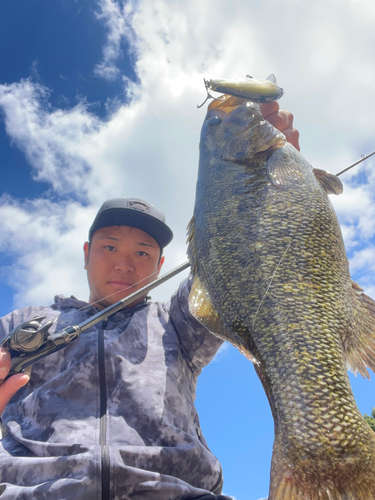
[201, 308]
[360, 347]
[285, 171]
[329, 182]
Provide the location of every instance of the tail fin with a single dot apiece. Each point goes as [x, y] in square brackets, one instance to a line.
[351, 478]
[290, 490]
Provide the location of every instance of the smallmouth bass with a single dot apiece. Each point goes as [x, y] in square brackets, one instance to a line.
[271, 276]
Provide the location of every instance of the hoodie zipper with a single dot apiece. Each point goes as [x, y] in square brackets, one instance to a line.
[105, 461]
[103, 415]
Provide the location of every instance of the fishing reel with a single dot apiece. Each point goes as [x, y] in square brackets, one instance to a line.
[31, 341]
[27, 337]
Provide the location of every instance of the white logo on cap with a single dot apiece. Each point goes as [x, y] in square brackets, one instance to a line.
[138, 205]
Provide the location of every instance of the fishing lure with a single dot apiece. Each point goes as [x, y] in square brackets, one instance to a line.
[249, 88]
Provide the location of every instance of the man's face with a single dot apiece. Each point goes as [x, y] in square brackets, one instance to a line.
[120, 261]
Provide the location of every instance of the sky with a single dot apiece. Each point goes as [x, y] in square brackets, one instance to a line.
[98, 100]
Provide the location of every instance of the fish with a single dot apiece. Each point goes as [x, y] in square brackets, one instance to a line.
[250, 88]
[271, 276]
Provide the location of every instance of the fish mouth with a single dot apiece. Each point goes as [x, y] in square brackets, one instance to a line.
[227, 103]
[255, 136]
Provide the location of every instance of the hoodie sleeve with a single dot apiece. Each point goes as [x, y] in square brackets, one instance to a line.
[198, 344]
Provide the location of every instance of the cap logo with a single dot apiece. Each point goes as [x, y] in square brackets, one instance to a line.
[138, 205]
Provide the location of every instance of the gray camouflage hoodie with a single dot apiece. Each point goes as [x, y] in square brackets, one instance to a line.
[112, 415]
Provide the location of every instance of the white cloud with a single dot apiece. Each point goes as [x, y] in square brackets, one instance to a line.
[221, 352]
[149, 147]
[50, 138]
[356, 209]
[367, 7]
[362, 264]
[115, 15]
[45, 239]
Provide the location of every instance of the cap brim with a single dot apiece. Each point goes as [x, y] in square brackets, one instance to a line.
[161, 233]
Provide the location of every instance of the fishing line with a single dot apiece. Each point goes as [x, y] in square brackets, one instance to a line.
[269, 284]
[363, 158]
[134, 284]
[119, 291]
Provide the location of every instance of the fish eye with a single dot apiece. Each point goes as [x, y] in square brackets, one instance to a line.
[214, 121]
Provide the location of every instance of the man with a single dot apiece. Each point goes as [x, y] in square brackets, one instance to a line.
[112, 415]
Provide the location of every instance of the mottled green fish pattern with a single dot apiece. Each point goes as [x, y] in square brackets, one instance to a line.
[272, 277]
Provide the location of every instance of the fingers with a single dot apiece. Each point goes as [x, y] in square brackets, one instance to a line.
[282, 120]
[268, 108]
[4, 363]
[292, 136]
[9, 387]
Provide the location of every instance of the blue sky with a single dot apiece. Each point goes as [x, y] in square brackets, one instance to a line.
[98, 100]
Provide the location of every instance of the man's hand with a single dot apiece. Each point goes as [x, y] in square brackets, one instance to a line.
[282, 120]
[10, 386]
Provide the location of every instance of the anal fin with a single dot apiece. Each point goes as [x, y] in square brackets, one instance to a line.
[201, 308]
[360, 347]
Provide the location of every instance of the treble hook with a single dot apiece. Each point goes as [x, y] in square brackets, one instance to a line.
[209, 96]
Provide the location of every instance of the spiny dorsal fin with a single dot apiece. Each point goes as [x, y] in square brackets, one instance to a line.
[360, 348]
[271, 78]
[329, 182]
[201, 308]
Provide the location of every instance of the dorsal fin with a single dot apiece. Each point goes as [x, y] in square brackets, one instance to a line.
[271, 78]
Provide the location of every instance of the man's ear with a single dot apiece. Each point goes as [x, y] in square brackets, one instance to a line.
[86, 250]
[160, 264]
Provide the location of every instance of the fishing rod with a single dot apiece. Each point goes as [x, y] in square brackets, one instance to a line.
[356, 163]
[30, 341]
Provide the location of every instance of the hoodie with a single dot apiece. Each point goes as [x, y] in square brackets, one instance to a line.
[111, 416]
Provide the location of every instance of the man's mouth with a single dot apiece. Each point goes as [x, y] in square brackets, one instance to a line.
[121, 285]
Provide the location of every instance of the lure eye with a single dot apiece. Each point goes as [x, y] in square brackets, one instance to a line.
[214, 121]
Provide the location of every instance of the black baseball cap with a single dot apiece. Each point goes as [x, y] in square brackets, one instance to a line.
[133, 212]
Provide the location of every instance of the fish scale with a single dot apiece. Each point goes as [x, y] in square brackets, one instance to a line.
[271, 276]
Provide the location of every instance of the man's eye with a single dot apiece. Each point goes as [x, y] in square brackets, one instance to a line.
[110, 248]
[142, 254]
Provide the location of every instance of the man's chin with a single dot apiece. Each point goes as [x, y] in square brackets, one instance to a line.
[110, 301]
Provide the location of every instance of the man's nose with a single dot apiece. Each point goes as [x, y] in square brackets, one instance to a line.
[124, 264]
